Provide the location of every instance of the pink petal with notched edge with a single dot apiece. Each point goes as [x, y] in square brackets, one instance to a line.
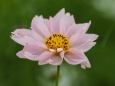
[85, 64]
[80, 39]
[81, 54]
[34, 22]
[56, 20]
[77, 28]
[59, 14]
[83, 42]
[44, 57]
[82, 28]
[21, 32]
[25, 40]
[30, 52]
[86, 46]
[27, 55]
[65, 22]
[69, 20]
[70, 58]
[74, 56]
[23, 37]
[39, 26]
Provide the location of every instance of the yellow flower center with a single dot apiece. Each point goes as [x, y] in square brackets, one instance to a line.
[57, 41]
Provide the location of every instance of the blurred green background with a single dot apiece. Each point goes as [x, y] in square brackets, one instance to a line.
[21, 72]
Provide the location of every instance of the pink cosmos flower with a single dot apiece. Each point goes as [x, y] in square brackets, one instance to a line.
[50, 41]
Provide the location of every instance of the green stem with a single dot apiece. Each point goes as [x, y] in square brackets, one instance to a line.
[57, 76]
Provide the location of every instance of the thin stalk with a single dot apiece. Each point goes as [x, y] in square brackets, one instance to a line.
[57, 76]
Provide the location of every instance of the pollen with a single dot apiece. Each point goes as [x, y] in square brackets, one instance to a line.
[57, 41]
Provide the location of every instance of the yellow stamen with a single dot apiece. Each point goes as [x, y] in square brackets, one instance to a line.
[57, 41]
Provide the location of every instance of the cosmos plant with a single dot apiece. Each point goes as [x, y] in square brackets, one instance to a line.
[50, 41]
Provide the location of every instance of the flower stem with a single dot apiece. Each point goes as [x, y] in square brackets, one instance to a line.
[57, 76]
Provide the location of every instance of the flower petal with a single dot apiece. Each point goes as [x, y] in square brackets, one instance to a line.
[74, 56]
[65, 22]
[25, 40]
[80, 39]
[23, 36]
[86, 46]
[72, 61]
[40, 44]
[30, 52]
[85, 65]
[37, 36]
[59, 14]
[62, 25]
[56, 20]
[77, 28]
[71, 30]
[51, 25]
[44, 57]
[21, 32]
[55, 60]
[82, 28]
[73, 39]
[83, 42]
[39, 26]
[70, 20]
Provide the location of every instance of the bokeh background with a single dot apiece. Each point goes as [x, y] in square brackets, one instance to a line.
[21, 72]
